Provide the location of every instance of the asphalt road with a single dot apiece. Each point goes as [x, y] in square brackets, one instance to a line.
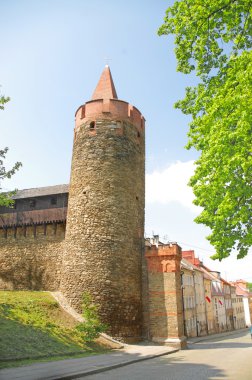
[227, 358]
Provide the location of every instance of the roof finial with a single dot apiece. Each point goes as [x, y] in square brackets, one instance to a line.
[106, 59]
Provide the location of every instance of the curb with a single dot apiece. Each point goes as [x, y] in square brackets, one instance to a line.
[76, 375]
[215, 336]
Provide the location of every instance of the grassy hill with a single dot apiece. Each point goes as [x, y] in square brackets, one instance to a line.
[33, 326]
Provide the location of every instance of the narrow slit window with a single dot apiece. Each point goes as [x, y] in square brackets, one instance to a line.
[92, 125]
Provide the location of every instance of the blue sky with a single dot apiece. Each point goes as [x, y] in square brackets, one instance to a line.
[52, 55]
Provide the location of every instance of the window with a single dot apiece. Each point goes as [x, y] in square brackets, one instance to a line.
[32, 203]
[189, 302]
[187, 280]
[53, 201]
[92, 125]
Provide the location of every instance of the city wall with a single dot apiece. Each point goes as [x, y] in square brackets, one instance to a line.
[30, 257]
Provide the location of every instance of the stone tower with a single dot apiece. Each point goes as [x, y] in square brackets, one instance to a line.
[105, 222]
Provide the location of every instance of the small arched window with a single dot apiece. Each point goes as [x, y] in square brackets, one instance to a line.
[92, 125]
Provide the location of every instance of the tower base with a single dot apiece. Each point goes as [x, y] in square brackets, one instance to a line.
[179, 343]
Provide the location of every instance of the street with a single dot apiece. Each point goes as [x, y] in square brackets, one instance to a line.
[227, 358]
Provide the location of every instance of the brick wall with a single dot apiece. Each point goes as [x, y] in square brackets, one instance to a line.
[164, 295]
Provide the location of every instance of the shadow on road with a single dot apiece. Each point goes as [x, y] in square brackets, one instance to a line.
[162, 368]
[230, 342]
[177, 369]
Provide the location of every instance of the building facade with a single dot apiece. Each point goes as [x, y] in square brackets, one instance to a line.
[218, 305]
[238, 309]
[243, 292]
[189, 299]
[228, 304]
[208, 301]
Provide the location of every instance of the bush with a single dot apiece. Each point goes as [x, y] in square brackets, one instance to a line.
[92, 326]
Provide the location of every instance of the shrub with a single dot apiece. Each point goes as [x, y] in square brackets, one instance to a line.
[92, 326]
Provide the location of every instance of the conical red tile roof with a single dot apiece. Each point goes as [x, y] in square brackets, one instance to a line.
[105, 88]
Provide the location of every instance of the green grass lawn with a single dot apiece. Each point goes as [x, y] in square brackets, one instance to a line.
[33, 326]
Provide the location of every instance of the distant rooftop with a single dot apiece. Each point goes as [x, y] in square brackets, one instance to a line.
[41, 191]
[188, 265]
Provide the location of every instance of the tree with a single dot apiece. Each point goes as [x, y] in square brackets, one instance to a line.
[3, 100]
[214, 39]
[249, 285]
[5, 198]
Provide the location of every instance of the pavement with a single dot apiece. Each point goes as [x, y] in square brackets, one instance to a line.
[214, 336]
[75, 368]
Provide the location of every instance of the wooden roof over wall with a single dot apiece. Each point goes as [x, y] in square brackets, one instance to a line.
[33, 217]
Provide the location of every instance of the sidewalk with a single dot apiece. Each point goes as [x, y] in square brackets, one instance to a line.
[215, 336]
[74, 368]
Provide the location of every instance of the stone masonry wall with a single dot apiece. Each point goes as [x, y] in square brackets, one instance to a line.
[105, 222]
[30, 257]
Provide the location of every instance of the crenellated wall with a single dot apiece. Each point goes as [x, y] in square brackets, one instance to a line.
[165, 309]
[109, 109]
[31, 256]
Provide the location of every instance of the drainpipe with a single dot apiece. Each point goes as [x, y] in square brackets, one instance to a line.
[183, 305]
[232, 327]
[235, 322]
[225, 309]
[205, 308]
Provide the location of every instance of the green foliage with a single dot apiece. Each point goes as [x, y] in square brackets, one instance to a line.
[208, 32]
[92, 326]
[249, 285]
[214, 38]
[3, 100]
[32, 325]
[5, 198]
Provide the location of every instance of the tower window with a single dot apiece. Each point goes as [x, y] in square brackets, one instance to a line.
[138, 134]
[92, 125]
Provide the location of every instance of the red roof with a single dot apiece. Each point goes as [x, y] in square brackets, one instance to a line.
[190, 256]
[241, 289]
[105, 88]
